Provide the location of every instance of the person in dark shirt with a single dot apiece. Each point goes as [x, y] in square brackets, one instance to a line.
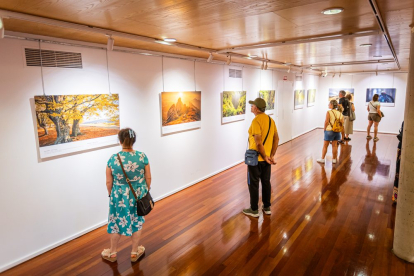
[344, 103]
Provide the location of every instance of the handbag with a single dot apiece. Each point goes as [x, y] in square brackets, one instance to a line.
[352, 116]
[382, 113]
[251, 157]
[145, 204]
[337, 126]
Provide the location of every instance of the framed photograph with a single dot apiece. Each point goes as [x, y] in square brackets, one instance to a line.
[386, 95]
[311, 97]
[334, 93]
[299, 99]
[233, 106]
[71, 123]
[269, 97]
[180, 111]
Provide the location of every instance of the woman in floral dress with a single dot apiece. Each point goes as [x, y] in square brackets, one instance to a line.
[123, 218]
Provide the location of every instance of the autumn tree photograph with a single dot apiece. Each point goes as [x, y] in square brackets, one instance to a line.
[69, 118]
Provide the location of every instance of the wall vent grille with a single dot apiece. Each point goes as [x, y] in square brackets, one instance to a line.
[234, 73]
[53, 58]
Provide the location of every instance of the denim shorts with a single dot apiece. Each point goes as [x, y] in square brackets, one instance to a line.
[329, 135]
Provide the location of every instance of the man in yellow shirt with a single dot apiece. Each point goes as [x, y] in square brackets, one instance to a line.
[263, 138]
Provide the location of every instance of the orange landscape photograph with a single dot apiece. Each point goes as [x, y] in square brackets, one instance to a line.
[180, 107]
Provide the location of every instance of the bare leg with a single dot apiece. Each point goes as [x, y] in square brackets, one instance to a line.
[135, 240]
[335, 149]
[343, 134]
[325, 148]
[114, 242]
[369, 127]
[375, 129]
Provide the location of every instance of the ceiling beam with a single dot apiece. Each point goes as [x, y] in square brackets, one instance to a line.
[300, 41]
[348, 63]
[383, 27]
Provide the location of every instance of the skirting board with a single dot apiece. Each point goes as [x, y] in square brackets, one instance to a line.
[77, 235]
[197, 181]
[50, 247]
[303, 133]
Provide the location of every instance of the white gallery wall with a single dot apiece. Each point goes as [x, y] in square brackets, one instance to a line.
[394, 116]
[45, 203]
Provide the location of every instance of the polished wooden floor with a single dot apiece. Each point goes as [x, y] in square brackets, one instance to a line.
[327, 220]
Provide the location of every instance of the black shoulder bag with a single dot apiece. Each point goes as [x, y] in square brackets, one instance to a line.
[145, 204]
[251, 157]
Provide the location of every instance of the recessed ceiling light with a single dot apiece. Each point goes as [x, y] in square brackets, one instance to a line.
[366, 45]
[146, 54]
[162, 42]
[170, 39]
[333, 11]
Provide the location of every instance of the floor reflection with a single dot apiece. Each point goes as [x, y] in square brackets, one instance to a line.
[339, 176]
[372, 165]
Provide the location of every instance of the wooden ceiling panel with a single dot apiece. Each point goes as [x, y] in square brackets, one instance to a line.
[219, 24]
[339, 50]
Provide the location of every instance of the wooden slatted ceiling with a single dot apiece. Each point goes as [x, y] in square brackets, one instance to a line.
[221, 24]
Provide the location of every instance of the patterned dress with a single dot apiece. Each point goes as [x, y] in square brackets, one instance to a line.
[123, 218]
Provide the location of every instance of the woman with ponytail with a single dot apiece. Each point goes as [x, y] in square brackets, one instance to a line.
[123, 218]
[332, 115]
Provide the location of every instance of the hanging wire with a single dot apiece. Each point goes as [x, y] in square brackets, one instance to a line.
[224, 76]
[195, 87]
[242, 78]
[162, 72]
[41, 67]
[107, 70]
[260, 82]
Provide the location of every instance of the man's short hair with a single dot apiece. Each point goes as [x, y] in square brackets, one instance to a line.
[342, 92]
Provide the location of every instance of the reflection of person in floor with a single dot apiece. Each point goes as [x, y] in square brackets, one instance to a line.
[397, 167]
[370, 164]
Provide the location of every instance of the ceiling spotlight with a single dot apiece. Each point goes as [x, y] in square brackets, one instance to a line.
[170, 39]
[110, 43]
[162, 42]
[1, 28]
[332, 11]
[210, 58]
[228, 60]
[288, 70]
[265, 67]
[366, 45]
[333, 76]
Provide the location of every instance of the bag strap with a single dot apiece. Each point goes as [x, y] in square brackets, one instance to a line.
[267, 130]
[126, 177]
[330, 118]
[373, 105]
[266, 134]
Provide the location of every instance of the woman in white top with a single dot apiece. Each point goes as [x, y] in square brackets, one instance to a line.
[329, 135]
[374, 117]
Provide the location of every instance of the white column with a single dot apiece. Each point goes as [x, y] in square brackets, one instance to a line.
[404, 221]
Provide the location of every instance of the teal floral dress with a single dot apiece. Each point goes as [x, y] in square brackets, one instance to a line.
[123, 218]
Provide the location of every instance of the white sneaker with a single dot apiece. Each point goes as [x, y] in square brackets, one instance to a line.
[333, 161]
[320, 161]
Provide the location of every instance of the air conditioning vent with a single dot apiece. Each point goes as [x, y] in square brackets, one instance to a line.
[234, 73]
[53, 58]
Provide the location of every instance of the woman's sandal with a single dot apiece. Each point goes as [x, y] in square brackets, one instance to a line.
[106, 254]
[141, 251]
